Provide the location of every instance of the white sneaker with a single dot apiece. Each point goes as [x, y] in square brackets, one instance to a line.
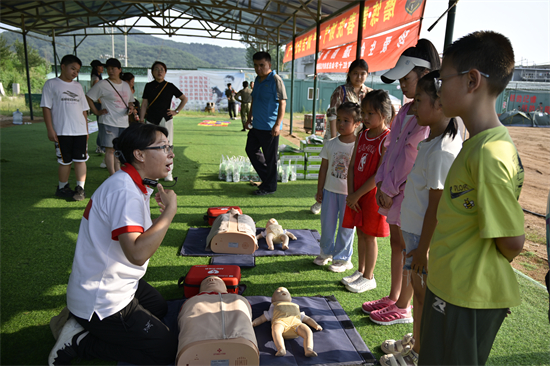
[316, 208]
[64, 349]
[340, 266]
[362, 284]
[322, 260]
[103, 165]
[349, 279]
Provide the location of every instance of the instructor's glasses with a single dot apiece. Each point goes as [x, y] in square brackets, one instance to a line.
[167, 149]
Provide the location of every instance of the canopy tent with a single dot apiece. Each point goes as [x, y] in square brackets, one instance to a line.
[274, 22]
[517, 118]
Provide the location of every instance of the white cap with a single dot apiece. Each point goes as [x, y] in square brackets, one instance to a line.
[404, 65]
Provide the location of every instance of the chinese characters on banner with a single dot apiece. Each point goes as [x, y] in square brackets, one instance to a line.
[379, 16]
[379, 51]
[305, 46]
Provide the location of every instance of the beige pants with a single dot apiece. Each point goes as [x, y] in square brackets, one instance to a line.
[245, 110]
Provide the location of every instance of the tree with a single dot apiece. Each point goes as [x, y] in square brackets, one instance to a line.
[13, 67]
[5, 53]
[34, 57]
[253, 46]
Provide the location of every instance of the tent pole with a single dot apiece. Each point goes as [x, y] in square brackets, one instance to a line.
[318, 31]
[450, 24]
[360, 30]
[27, 65]
[75, 47]
[292, 71]
[278, 47]
[54, 52]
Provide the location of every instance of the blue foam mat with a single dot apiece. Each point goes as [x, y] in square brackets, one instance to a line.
[337, 344]
[307, 243]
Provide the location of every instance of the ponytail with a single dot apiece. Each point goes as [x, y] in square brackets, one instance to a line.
[451, 129]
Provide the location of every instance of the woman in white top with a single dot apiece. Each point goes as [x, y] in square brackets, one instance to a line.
[116, 101]
[115, 314]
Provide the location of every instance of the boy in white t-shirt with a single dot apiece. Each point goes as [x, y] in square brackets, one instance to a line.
[332, 190]
[65, 113]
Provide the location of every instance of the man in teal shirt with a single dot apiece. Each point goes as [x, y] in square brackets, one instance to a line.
[265, 122]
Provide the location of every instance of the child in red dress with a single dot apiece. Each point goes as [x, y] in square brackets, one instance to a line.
[362, 209]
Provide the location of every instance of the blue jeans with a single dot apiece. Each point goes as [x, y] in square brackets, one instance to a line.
[411, 243]
[332, 215]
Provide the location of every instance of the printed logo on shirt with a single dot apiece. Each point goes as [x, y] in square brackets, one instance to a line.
[459, 190]
[73, 97]
[439, 305]
[369, 149]
[468, 203]
[340, 165]
[148, 326]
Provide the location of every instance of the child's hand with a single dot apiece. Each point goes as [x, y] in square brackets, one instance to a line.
[351, 202]
[52, 136]
[385, 200]
[419, 262]
[319, 197]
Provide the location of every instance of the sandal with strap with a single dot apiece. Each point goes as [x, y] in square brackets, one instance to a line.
[391, 346]
[406, 358]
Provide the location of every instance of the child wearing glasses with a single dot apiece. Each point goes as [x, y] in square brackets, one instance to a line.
[332, 190]
[362, 211]
[480, 227]
[418, 216]
[398, 161]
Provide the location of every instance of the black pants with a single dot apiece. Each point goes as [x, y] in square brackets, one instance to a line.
[134, 335]
[264, 160]
[453, 335]
[231, 107]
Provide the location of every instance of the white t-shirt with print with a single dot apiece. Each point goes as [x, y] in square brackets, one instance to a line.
[430, 170]
[103, 280]
[67, 102]
[338, 155]
[111, 101]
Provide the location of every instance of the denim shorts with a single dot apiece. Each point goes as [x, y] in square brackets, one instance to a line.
[411, 243]
[109, 134]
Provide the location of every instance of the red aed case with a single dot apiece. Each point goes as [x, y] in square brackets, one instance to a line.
[214, 212]
[230, 274]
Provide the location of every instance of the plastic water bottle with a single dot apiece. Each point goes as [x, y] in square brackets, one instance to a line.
[17, 118]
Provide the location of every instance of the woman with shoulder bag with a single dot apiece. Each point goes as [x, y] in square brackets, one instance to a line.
[156, 102]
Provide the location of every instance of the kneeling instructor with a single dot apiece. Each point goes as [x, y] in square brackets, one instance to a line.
[115, 314]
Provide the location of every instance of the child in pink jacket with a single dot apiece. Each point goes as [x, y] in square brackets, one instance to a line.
[399, 159]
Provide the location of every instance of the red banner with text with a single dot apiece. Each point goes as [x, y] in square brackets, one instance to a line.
[381, 52]
[379, 16]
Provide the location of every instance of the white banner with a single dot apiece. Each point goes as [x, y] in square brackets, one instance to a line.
[201, 87]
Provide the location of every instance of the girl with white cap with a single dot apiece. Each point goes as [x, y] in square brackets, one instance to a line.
[398, 161]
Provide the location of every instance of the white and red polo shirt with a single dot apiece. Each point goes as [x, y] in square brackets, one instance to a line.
[103, 281]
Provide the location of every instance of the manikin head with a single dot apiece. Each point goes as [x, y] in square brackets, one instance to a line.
[271, 222]
[213, 284]
[281, 294]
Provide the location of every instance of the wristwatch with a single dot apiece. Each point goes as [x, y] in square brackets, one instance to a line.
[176, 111]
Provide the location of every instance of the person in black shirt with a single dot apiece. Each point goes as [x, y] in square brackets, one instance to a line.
[156, 102]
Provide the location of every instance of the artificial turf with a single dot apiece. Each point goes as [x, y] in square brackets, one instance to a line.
[39, 231]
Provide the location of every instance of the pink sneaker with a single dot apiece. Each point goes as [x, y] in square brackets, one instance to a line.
[392, 315]
[371, 306]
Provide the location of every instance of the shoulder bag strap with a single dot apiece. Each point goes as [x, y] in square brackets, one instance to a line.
[160, 92]
[118, 93]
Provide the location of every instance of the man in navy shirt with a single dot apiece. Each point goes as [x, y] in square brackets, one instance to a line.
[265, 122]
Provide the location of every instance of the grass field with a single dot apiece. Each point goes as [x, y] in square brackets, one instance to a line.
[39, 231]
